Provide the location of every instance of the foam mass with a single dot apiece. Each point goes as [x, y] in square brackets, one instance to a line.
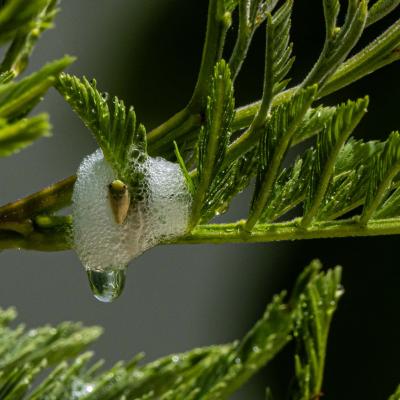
[159, 210]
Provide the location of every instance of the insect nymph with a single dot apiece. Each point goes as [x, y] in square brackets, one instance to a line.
[118, 194]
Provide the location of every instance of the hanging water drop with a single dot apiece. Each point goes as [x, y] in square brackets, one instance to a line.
[106, 285]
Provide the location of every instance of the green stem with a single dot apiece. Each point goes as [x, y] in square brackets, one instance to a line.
[384, 50]
[187, 119]
[58, 239]
[244, 37]
[268, 85]
[354, 69]
[214, 135]
[379, 196]
[262, 233]
[338, 45]
[48, 200]
[380, 9]
[275, 163]
[22, 227]
[26, 98]
[328, 167]
[218, 24]
[179, 125]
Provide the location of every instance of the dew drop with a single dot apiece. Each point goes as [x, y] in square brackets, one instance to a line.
[256, 349]
[175, 359]
[81, 389]
[106, 285]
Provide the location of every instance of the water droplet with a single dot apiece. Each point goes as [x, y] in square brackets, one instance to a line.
[106, 285]
[339, 291]
[256, 349]
[81, 389]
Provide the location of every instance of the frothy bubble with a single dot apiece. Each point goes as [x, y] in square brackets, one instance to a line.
[159, 210]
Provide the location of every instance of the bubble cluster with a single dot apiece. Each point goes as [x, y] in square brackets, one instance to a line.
[159, 210]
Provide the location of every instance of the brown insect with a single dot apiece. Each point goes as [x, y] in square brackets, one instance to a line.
[118, 194]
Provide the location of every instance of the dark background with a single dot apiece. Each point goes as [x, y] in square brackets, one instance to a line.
[180, 297]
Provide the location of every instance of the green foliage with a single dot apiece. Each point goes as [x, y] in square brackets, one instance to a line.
[275, 141]
[314, 122]
[220, 150]
[114, 126]
[339, 40]
[318, 303]
[214, 136]
[188, 178]
[18, 16]
[18, 98]
[21, 24]
[290, 187]
[380, 52]
[396, 395]
[329, 144]
[229, 182]
[386, 165]
[207, 373]
[380, 9]
[278, 42]
[349, 184]
[16, 58]
[17, 135]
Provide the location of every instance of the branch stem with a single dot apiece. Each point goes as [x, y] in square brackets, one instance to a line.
[262, 233]
[47, 200]
[57, 239]
[186, 120]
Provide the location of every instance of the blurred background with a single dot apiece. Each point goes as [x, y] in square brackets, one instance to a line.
[180, 297]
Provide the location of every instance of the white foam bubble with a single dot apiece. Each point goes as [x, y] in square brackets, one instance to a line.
[162, 214]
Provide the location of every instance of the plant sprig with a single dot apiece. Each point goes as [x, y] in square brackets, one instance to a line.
[60, 354]
[338, 186]
[221, 150]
